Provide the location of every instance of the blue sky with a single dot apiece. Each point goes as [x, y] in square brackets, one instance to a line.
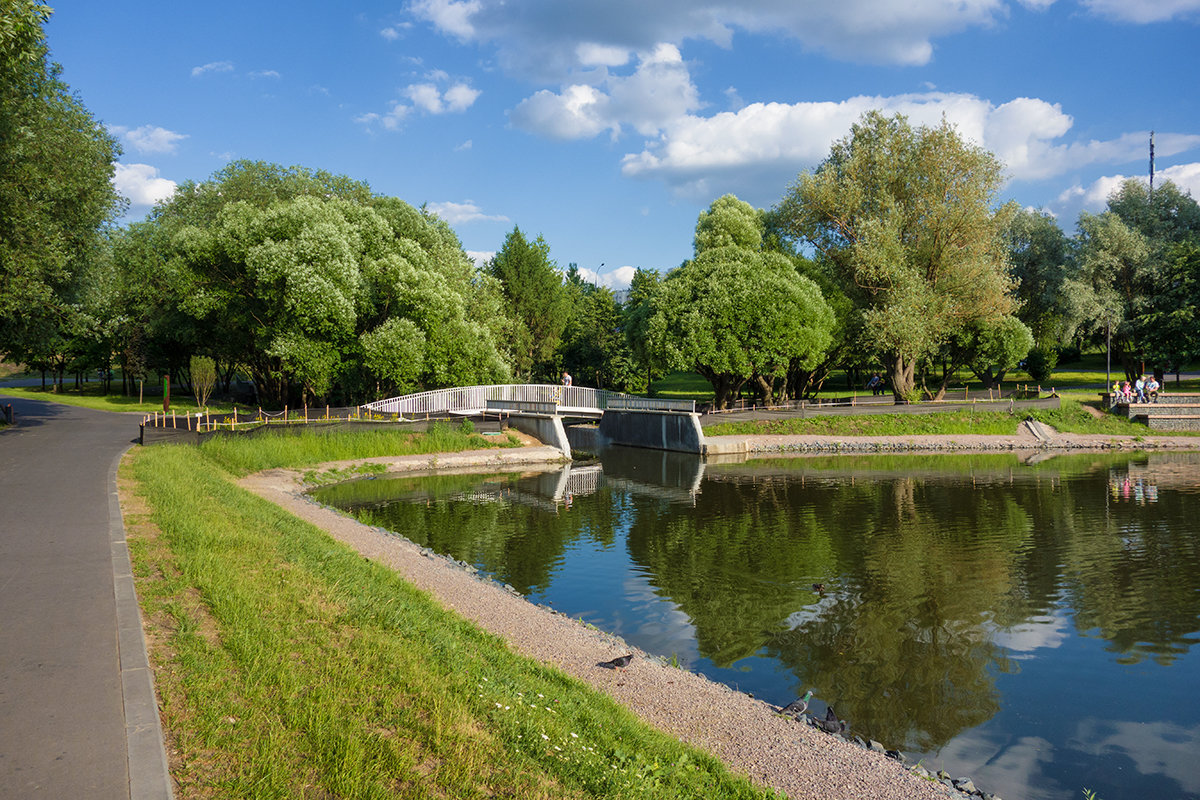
[608, 125]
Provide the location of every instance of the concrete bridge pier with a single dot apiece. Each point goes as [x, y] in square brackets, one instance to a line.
[659, 430]
[547, 428]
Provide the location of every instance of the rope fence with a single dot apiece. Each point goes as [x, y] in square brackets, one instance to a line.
[171, 425]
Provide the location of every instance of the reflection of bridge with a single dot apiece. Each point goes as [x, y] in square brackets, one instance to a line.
[546, 491]
[540, 409]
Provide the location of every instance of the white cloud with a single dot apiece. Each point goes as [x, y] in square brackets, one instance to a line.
[579, 112]
[265, 73]
[460, 97]
[394, 32]
[591, 54]
[658, 92]
[776, 139]
[425, 97]
[390, 120]
[1144, 11]
[1185, 176]
[537, 37]
[464, 146]
[616, 279]
[1094, 196]
[481, 257]
[459, 213]
[149, 138]
[213, 66]
[431, 100]
[619, 278]
[451, 16]
[141, 185]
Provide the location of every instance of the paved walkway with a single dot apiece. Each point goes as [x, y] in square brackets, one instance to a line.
[78, 717]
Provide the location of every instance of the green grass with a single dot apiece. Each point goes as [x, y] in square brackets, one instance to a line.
[682, 386]
[950, 422]
[90, 396]
[242, 455]
[290, 666]
[1070, 418]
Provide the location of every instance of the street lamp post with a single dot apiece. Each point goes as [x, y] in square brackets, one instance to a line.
[1108, 353]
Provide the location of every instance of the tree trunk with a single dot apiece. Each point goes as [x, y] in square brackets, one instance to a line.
[901, 374]
[764, 386]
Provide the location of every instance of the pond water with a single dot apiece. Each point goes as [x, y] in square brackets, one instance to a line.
[1030, 625]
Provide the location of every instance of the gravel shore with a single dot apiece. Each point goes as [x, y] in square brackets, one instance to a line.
[747, 734]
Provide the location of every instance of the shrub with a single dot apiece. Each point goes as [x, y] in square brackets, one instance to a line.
[1040, 363]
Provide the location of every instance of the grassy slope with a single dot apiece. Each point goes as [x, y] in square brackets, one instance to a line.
[289, 666]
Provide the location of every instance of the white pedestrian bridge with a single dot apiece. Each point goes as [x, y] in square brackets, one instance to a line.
[529, 398]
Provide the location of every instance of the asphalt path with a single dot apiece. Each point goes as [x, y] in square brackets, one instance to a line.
[78, 718]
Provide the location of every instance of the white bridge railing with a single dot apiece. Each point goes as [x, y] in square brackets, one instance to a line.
[474, 399]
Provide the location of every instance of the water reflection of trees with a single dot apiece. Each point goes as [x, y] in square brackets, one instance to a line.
[519, 544]
[920, 573]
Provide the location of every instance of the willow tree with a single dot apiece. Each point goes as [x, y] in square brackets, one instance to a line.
[907, 218]
[738, 314]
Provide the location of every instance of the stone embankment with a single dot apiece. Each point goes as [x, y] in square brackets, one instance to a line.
[1030, 437]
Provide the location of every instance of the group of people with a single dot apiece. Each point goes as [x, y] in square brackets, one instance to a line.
[1143, 390]
[876, 384]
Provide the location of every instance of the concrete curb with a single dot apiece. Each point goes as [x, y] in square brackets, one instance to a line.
[149, 777]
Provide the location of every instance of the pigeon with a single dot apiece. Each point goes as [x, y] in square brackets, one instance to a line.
[831, 724]
[797, 707]
[617, 663]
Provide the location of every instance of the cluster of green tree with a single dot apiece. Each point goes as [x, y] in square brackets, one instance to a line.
[916, 270]
[893, 255]
[1131, 273]
[56, 195]
[308, 284]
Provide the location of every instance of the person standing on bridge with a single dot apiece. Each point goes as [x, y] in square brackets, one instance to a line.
[566, 378]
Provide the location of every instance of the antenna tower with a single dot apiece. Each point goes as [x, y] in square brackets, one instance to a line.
[1151, 163]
